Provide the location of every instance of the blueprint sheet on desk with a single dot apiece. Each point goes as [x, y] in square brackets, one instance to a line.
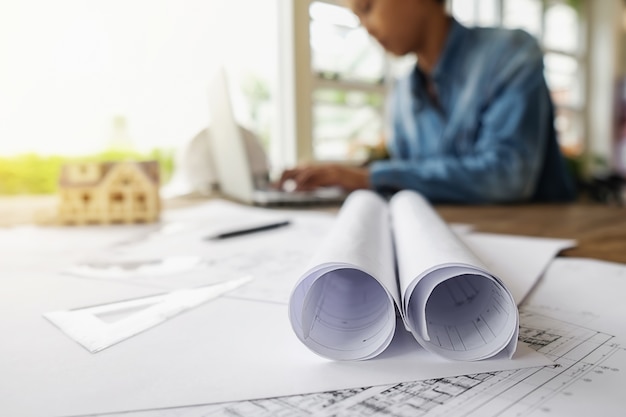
[46, 373]
[589, 379]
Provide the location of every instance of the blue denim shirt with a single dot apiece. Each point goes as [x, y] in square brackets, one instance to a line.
[488, 137]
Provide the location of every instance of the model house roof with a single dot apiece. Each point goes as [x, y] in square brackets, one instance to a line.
[89, 174]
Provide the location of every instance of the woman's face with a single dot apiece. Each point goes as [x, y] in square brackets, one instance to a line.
[400, 26]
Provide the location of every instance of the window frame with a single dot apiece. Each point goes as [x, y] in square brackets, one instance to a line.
[300, 82]
[580, 56]
[596, 84]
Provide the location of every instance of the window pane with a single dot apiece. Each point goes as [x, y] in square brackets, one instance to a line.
[464, 11]
[563, 74]
[345, 121]
[65, 87]
[340, 48]
[570, 127]
[400, 67]
[523, 14]
[562, 28]
[487, 13]
[476, 12]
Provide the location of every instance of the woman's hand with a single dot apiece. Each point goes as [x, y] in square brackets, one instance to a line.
[307, 178]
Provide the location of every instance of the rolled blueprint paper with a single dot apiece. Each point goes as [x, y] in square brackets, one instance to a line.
[343, 307]
[450, 302]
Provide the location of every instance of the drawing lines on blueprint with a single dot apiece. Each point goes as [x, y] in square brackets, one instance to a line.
[577, 350]
[583, 357]
[298, 405]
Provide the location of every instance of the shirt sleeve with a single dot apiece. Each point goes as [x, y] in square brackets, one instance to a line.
[505, 160]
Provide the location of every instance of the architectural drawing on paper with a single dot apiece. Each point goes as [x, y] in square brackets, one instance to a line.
[582, 355]
[109, 192]
[578, 351]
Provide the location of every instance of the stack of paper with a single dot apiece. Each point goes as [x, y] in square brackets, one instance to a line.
[238, 346]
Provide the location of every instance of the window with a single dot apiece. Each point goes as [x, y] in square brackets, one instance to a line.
[560, 28]
[349, 71]
[78, 77]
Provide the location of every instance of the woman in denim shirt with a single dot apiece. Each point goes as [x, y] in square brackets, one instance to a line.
[472, 123]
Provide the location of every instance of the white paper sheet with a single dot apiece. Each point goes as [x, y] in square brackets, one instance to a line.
[225, 350]
[270, 257]
[570, 317]
[597, 288]
[137, 269]
[237, 347]
[518, 260]
[342, 307]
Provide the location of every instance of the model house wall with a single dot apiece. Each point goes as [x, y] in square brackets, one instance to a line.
[109, 192]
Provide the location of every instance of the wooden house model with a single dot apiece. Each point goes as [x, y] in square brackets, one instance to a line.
[109, 192]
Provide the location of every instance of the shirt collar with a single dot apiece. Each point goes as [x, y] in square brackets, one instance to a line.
[452, 51]
[446, 65]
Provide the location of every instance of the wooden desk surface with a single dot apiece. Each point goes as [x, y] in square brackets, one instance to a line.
[599, 229]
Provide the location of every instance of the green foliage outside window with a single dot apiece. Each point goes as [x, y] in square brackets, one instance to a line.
[575, 4]
[37, 174]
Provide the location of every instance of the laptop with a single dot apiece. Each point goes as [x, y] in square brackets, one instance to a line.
[236, 155]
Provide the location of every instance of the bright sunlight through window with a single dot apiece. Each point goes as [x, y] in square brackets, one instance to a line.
[78, 76]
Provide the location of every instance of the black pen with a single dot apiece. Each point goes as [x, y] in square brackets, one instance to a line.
[249, 230]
